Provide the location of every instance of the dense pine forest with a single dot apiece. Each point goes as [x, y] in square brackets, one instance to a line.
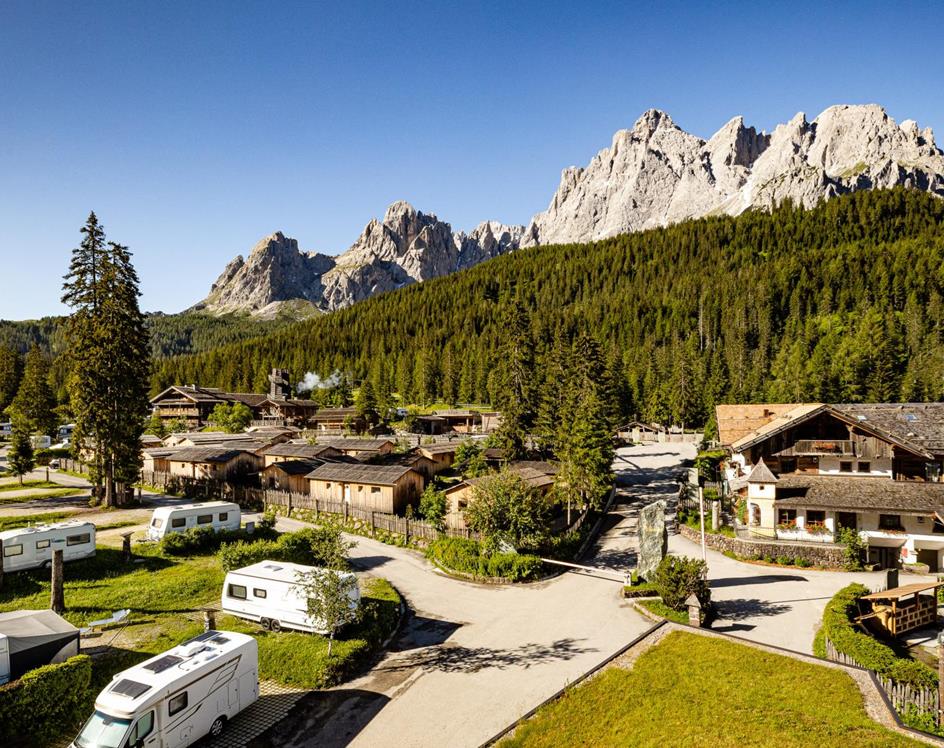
[841, 303]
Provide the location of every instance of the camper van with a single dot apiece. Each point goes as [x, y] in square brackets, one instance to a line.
[32, 547]
[174, 699]
[268, 592]
[220, 515]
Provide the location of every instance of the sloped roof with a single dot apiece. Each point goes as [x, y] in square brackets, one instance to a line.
[384, 475]
[359, 445]
[326, 413]
[921, 424]
[778, 423]
[859, 493]
[443, 448]
[205, 454]
[293, 449]
[295, 467]
[738, 420]
[761, 474]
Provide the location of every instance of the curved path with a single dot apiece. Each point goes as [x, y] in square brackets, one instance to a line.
[473, 658]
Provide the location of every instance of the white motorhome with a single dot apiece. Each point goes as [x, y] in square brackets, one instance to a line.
[174, 699]
[32, 547]
[269, 592]
[220, 515]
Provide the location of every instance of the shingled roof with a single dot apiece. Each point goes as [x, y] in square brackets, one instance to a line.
[204, 454]
[295, 467]
[916, 423]
[737, 421]
[382, 475]
[859, 494]
[761, 474]
[358, 445]
[294, 449]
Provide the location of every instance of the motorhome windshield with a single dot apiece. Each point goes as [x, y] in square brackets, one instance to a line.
[103, 731]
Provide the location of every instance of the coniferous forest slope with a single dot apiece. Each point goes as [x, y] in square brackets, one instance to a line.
[844, 302]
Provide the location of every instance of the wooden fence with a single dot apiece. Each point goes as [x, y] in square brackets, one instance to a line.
[903, 697]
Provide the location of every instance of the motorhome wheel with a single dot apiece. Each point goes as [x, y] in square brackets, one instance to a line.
[275, 626]
[264, 622]
[217, 727]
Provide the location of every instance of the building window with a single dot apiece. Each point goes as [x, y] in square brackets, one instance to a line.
[177, 703]
[815, 517]
[375, 489]
[204, 519]
[845, 466]
[788, 464]
[237, 591]
[179, 522]
[327, 486]
[932, 472]
[786, 517]
[12, 550]
[846, 519]
[889, 522]
[256, 592]
[938, 526]
[865, 467]
[79, 539]
[41, 544]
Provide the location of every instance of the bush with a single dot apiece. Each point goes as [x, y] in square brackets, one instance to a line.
[853, 547]
[313, 546]
[467, 557]
[866, 650]
[204, 540]
[803, 563]
[35, 709]
[785, 560]
[678, 577]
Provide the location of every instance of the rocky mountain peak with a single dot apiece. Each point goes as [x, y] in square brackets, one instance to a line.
[651, 175]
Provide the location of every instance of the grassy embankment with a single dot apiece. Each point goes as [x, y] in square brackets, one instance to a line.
[691, 690]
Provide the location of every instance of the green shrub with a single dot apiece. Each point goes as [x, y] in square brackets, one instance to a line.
[35, 709]
[853, 547]
[199, 541]
[869, 652]
[678, 577]
[768, 558]
[784, 560]
[467, 557]
[803, 563]
[312, 546]
[643, 589]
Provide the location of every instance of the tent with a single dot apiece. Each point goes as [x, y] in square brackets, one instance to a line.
[33, 638]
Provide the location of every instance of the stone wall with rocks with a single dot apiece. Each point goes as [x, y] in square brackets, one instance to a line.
[830, 556]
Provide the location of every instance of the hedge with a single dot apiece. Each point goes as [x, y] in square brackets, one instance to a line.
[868, 651]
[35, 709]
[306, 546]
[205, 540]
[466, 557]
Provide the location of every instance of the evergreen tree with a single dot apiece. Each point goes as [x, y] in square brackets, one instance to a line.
[109, 360]
[366, 403]
[9, 375]
[515, 385]
[20, 455]
[34, 399]
[586, 451]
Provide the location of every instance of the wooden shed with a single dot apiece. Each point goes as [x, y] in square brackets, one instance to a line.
[902, 609]
[383, 488]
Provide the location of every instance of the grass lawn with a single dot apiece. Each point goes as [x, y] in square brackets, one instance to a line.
[42, 494]
[17, 486]
[692, 690]
[662, 610]
[22, 520]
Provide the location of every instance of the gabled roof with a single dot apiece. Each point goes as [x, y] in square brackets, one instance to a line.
[359, 445]
[332, 413]
[293, 449]
[859, 493]
[739, 420]
[778, 423]
[443, 448]
[205, 454]
[383, 475]
[761, 474]
[295, 467]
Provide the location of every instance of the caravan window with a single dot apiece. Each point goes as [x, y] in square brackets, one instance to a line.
[224, 516]
[256, 592]
[178, 522]
[204, 519]
[79, 539]
[41, 544]
[143, 728]
[157, 522]
[177, 703]
[238, 591]
[13, 550]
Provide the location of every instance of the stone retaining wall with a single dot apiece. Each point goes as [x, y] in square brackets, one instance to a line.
[831, 556]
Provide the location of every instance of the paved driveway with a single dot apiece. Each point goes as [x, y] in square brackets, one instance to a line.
[473, 658]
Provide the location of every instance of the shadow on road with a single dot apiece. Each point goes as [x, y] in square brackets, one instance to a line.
[424, 632]
[459, 659]
[739, 610]
[366, 563]
[328, 719]
[762, 579]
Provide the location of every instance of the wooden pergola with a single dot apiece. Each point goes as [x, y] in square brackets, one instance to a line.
[902, 609]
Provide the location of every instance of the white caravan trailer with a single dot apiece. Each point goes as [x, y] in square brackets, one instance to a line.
[220, 515]
[268, 592]
[32, 547]
[176, 698]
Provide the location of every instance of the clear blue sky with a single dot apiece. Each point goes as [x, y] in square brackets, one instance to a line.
[194, 129]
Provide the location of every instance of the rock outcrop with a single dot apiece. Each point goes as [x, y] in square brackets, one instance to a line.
[652, 175]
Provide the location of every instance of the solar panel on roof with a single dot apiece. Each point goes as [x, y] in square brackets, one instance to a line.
[202, 637]
[220, 640]
[164, 663]
[131, 688]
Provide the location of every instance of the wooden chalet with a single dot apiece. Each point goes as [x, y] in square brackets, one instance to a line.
[289, 475]
[382, 488]
[298, 451]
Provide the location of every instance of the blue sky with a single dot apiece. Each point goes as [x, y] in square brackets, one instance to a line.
[194, 129]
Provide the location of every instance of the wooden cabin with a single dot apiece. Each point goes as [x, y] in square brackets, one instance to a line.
[383, 488]
[289, 475]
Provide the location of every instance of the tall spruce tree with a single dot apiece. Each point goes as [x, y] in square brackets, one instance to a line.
[10, 372]
[34, 400]
[20, 455]
[109, 360]
[514, 384]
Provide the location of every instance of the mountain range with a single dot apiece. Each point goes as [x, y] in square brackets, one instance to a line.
[653, 175]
